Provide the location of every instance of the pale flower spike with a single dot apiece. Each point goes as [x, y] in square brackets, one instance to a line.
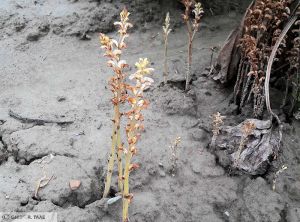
[198, 9]
[166, 30]
[166, 27]
[142, 69]
[134, 126]
[113, 51]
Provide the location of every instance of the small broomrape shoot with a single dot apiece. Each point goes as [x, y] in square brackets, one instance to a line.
[135, 124]
[217, 122]
[192, 29]
[113, 50]
[167, 30]
[174, 156]
[247, 130]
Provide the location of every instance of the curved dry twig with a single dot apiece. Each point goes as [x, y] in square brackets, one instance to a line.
[270, 63]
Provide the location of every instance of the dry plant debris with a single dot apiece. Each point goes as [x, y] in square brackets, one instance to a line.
[43, 181]
[293, 59]
[280, 171]
[264, 50]
[192, 28]
[166, 32]
[265, 45]
[261, 49]
[254, 152]
[263, 25]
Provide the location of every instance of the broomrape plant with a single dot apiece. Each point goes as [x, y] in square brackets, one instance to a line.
[134, 96]
[135, 123]
[247, 130]
[217, 122]
[192, 28]
[167, 30]
[174, 156]
[113, 50]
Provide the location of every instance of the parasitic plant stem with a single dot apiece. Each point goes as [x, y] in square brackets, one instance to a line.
[217, 122]
[113, 50]
[134, 125]
[174, 156]
[126, 195]
[166, 30]
[111, 159]
[192, 29]
[247, 130]
[189, 64]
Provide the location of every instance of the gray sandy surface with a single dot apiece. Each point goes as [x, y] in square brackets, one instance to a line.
[48, 73]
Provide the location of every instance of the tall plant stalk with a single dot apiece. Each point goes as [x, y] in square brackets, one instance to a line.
[113, 50]
[192, 28]
[135, 124]
[166, 30]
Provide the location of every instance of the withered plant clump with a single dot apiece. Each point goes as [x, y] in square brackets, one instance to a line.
[293, 59]
[263, 52]
[45, 180]
[263, 26]
[113, 50]
[192, 25]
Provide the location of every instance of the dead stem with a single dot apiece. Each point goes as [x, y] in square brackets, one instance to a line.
[43, 181]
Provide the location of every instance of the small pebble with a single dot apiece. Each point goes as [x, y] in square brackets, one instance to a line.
[74, 184]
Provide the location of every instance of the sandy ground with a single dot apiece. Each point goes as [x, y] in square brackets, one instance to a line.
[48, 74]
